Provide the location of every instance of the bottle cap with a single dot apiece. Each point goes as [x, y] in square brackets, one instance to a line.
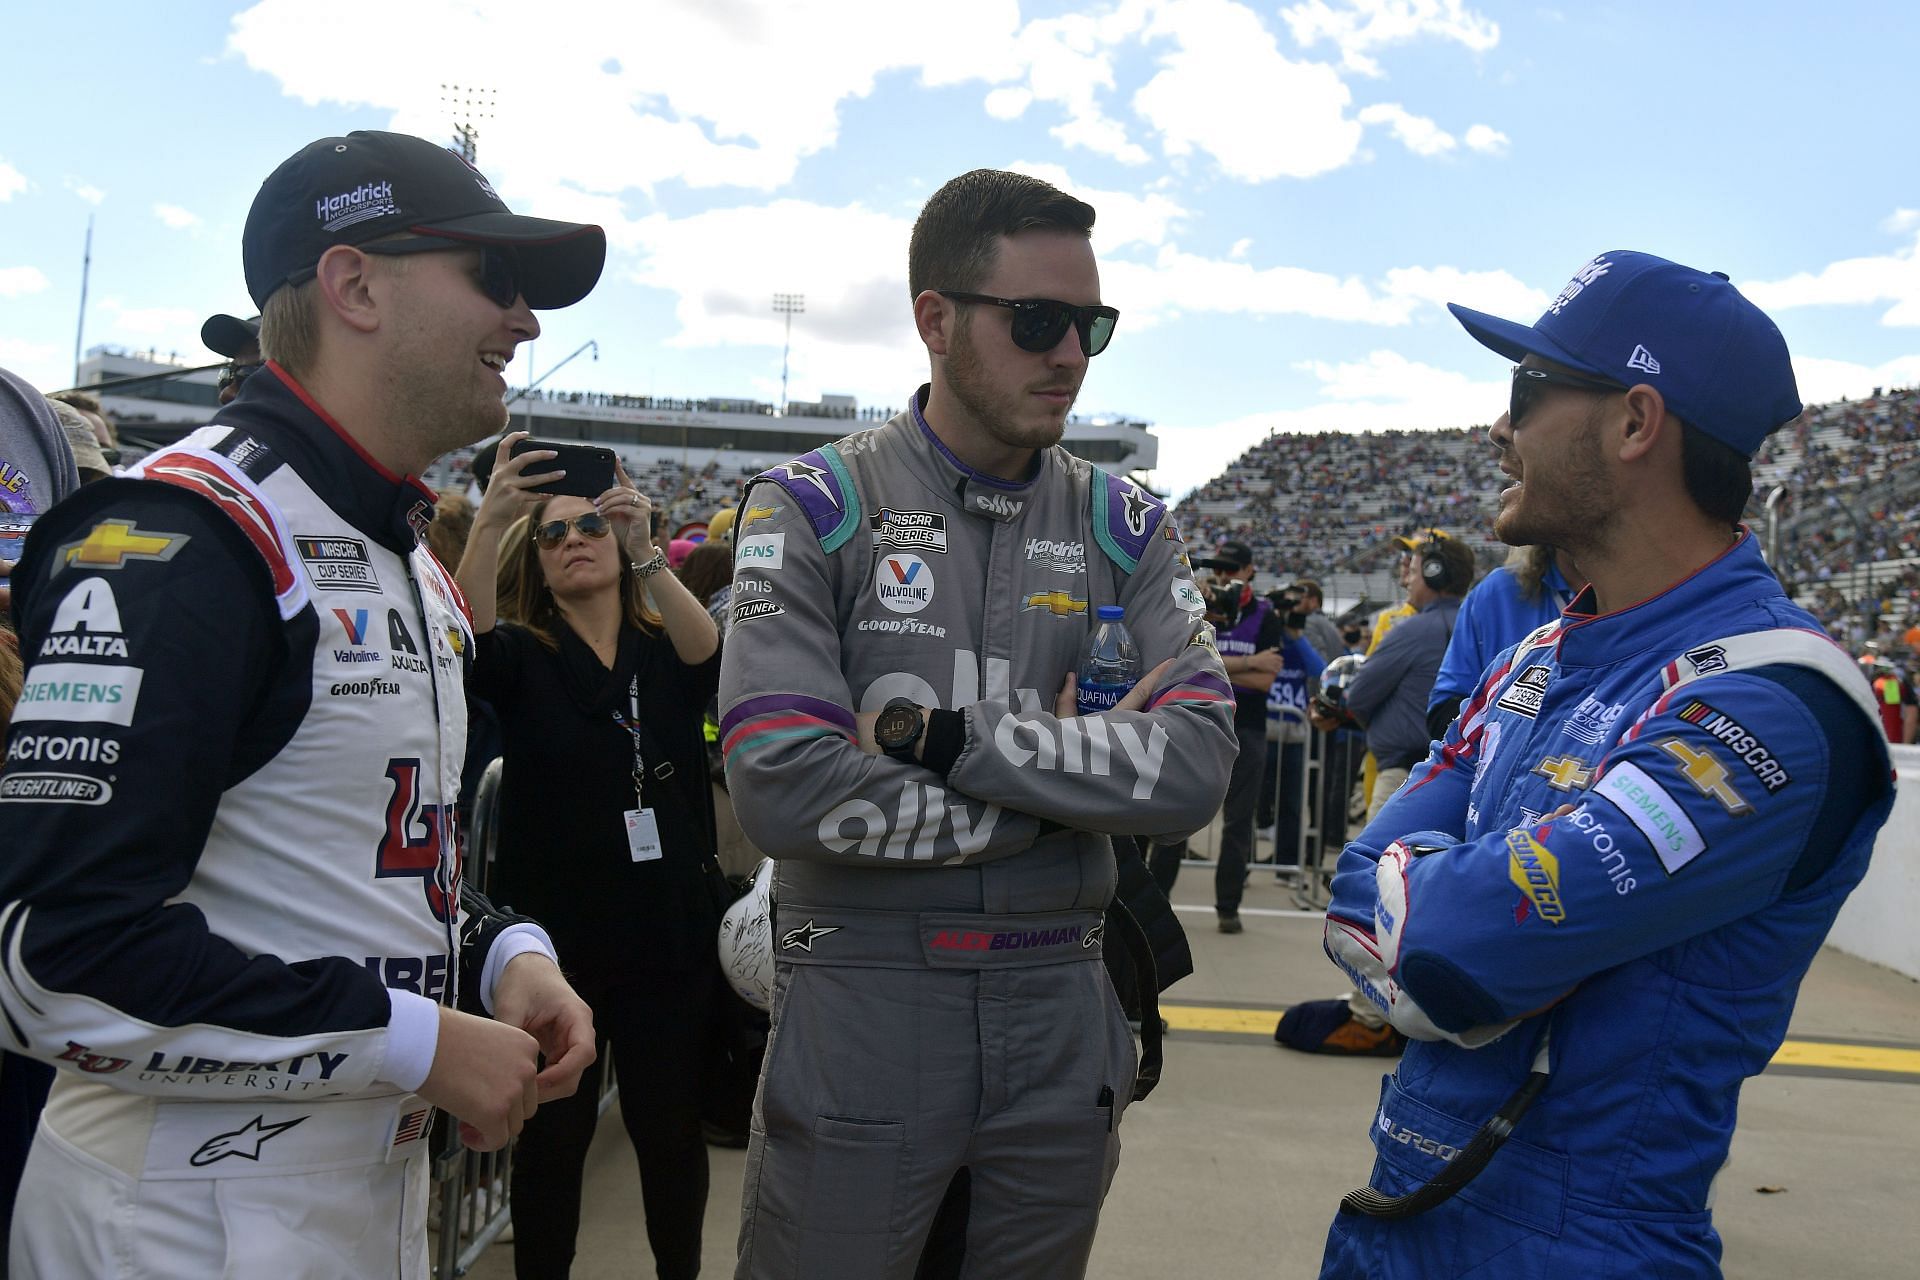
[1112, 612]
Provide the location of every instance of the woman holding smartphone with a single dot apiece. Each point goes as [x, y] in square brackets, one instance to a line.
[606, 821]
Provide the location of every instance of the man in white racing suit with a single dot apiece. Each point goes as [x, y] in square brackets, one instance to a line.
[231, 909]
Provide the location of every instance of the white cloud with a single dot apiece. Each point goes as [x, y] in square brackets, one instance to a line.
[176, 218]
[1239, 251]
[1123, 218]
[1385, 391]
[1901, 221]
[1893, 277]
[33, 361]
[1360, 27]
[1176, 281]
[1068, 61]
[12, 181]
[709, 94]
[1821, 380]
[856, 334]
[1484, 137]
[18, 282]
[1008, 103]
[1228, 91]
[1417, 133]
[85, 190]
[164, 328]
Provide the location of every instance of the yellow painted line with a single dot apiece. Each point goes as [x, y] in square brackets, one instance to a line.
[1794, 1053]
[1847, 1057]
[1247, 1022]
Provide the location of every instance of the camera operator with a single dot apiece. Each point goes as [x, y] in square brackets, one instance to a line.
[1249, 635]
[1320, 631]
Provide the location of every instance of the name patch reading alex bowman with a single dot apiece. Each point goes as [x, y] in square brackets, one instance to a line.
[1527, 692]
[338, 564]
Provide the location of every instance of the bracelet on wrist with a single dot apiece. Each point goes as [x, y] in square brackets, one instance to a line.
[647, 568]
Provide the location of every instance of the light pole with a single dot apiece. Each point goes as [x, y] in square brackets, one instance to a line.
[522, 392]
[788, 305]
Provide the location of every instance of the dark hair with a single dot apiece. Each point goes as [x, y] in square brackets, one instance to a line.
[1719, 478]
[1309, 587]
[958, 231]
[707, 568]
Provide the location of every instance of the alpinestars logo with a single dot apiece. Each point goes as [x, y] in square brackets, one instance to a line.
[368, 200]
[1138, 508]
[1642, 359]
[244, 1142]
[805, 936]
[1578, 285]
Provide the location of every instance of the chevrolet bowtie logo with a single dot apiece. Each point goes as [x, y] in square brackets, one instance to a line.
[1564, 773]
[805, 936]
[111, 543]
[756, 514]
[1708, 776]
[1055, 602]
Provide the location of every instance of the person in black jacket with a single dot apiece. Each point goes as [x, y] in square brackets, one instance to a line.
[606, 826]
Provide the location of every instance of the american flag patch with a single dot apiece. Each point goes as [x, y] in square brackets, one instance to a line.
[413, 1126]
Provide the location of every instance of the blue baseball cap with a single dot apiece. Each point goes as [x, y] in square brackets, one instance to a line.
[1632, 318]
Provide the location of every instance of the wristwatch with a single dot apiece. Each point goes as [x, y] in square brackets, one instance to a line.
[899, 727]
[647, 568]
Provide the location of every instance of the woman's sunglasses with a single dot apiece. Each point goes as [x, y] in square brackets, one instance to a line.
[554, 532]
[1040, 323]
[1530, 384]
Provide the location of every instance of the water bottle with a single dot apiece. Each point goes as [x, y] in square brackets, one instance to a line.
[1111, 665]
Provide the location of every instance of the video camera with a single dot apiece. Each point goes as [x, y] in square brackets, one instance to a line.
[1289, 603]
[1226, 600]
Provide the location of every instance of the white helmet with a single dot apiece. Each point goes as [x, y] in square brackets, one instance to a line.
[746, 940]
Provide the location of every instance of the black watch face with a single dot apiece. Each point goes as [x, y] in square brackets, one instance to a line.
[895, 727]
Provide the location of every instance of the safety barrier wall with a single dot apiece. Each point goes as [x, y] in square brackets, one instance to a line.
[1877, 924]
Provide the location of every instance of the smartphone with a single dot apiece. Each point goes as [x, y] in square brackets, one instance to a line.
[13, 533]
[589, 467]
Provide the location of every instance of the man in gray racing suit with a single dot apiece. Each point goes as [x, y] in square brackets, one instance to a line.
[940, 1009]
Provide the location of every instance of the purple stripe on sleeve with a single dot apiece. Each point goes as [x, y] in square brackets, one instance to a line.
[831, 712]
[1207, 680]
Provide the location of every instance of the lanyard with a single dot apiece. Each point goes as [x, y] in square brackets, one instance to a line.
[638, 732]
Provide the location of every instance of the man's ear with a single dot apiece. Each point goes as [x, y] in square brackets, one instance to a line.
[344, 276]
[935, 318]
[1647, 423]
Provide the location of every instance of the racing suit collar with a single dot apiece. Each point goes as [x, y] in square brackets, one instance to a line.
[977, 493]
[1735, 579]
[392, 510]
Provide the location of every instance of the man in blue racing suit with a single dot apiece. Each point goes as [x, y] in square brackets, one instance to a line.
[1601, 891]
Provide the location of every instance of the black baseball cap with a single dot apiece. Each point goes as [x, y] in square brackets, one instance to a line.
[230, 335]
[371, 184]
[1230, 556]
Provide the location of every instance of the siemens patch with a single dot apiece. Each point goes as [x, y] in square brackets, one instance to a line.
[338, 564]
[79, 692]
[1657, 815]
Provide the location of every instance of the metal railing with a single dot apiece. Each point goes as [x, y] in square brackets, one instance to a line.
[471, 1188]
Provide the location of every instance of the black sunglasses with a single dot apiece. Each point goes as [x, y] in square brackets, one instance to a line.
[554, 532]
[235, 374]
[499, 276]
[1040, 323]
[1530, 384]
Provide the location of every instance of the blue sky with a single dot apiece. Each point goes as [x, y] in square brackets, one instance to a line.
[1287, 192]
